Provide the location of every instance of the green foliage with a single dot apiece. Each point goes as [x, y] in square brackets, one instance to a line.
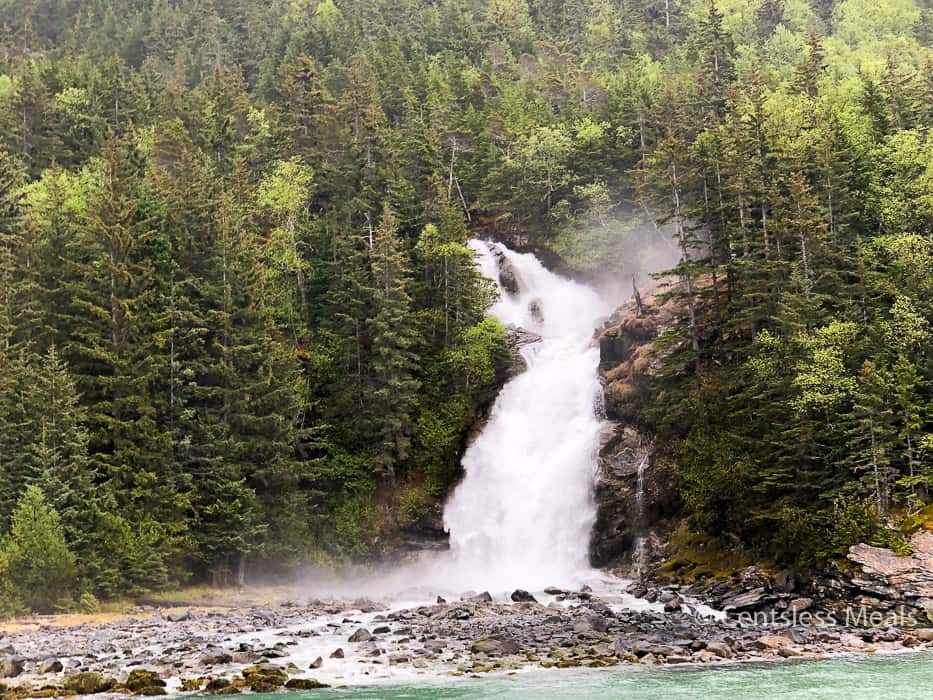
[893, 540]
[852, 520]
[355, 523]
[36, 560]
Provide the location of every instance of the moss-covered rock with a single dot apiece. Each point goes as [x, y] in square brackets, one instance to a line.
[191, 685]
[141, 679]
[215, 685]
[305, 684]
[265, 678]
[88, 683]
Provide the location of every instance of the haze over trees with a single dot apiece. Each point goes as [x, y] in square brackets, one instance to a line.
[239, 325]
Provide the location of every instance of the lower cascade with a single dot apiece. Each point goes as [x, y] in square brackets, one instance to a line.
[523, 513]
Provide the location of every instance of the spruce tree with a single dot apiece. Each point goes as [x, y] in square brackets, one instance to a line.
[393, 385]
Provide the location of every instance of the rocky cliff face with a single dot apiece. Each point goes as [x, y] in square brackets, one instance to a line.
[636, 495]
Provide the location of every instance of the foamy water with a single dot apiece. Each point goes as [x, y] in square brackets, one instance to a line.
[522, 516]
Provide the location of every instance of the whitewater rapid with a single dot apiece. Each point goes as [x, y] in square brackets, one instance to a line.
[522, 516]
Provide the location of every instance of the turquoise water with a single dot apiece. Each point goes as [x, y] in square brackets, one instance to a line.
[863, 678]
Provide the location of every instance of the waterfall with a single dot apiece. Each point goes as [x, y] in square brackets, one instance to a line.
[522, 515]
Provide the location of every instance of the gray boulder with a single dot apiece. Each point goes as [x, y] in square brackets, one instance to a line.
[496, 646]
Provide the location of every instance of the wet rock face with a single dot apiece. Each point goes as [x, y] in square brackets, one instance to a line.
[627, 363]
[509, 279]
[518, 339]
[628, 359]
[620, 517]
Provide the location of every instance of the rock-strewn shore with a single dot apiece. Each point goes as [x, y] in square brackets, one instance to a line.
[310, 644]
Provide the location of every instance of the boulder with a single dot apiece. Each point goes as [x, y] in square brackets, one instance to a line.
[304, 684]
[591, 623]
[655, 650]
[520, 596]
[787, 581]
[214, 656]
[265, 678]
[370, 649]
[622, 646]
[361, 635]
[216, 685]
[191, 685]
[51, 666]
[140, 679]
[152, 690]
[720, 649]
[88, 683]
[483, 597]
[678, 659]
[337, 654]
[317, 663]
[496, 646]
[773, 642]
[748, 600]
[10, 667]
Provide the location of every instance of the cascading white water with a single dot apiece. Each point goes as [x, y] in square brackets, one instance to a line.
[522, 515]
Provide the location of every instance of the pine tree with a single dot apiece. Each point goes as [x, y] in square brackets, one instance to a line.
[116, 346]
[394, 385]
[716, 56]
[872, 435]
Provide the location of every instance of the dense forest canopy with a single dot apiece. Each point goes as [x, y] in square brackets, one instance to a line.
[238, 321]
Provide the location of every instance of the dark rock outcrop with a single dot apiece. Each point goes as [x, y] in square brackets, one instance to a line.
[509, 279]
[623, 512]
[519, 338]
